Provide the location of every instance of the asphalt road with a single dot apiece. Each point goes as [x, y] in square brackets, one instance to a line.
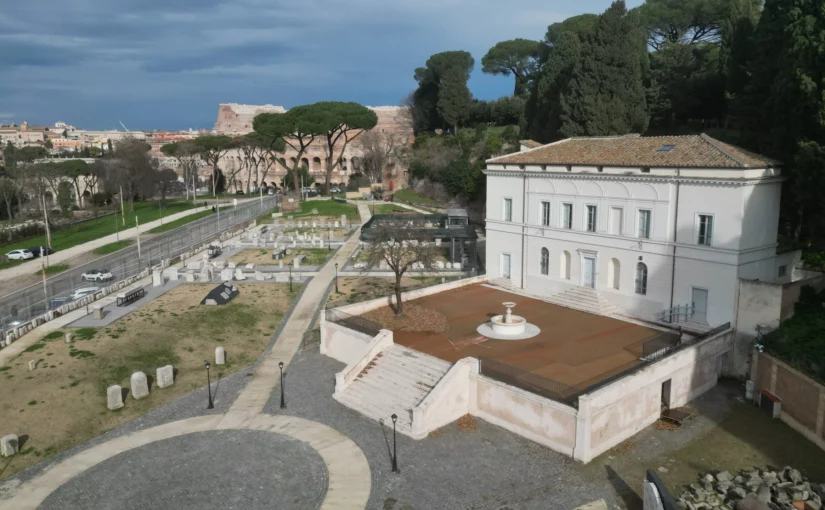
[24, 304]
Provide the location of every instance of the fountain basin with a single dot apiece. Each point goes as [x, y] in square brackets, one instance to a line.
[511, 325]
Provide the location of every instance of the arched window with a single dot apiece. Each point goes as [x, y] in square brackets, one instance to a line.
[641, 278]
[545, 261]
[564, 269]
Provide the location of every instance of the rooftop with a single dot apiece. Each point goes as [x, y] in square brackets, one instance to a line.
[575, 348]
[691, 151]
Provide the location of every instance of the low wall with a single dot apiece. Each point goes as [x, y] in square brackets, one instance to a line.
[448, 401]
[619, 410]
[803, 398]
[345, 377]
[374, 304]
[536, 418]
[341, 343]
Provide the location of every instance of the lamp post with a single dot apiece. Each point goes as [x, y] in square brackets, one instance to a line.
[394, 450]
[336, 278]
[290, 278]
[281, 367]
[209, 386]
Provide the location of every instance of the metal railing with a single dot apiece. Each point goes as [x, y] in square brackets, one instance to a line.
[678, 313]
[25, 304]
[353, 322]
[660, 345]
[529, 381]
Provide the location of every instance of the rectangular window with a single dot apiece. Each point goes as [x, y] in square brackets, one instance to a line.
[591, 218]
[567, 216]
[783, 270]
[508, 209]
[545, 214]
[705, 229]
[644, 224]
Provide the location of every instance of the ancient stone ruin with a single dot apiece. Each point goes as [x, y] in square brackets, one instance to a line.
[777, 489]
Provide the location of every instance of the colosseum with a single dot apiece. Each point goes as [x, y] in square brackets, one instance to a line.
[236, 120]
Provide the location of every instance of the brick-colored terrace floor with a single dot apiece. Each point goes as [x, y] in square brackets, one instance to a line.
[574, 348]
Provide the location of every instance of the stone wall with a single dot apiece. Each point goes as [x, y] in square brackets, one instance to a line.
[803, 398]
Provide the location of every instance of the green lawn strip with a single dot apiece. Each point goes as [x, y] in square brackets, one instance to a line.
[388, 209]
[314, 256]
[180, 221]
[90, 230]
[57, 268]
[112, 247]
[409, 195]
[325, 208]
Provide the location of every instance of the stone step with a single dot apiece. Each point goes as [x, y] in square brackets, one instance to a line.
[370, 393]
[584, 299]
[412, 368]
[411, 393]
[378, 413]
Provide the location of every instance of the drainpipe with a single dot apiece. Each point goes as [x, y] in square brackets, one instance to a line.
[524, 230]
[675, 237]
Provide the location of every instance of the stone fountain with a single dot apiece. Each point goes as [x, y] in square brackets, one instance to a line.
[508, 326]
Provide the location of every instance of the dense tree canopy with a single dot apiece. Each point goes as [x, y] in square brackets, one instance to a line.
[345, 122]
[434, 83]
[517, 57]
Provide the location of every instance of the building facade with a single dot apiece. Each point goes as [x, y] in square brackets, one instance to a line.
[650, 223]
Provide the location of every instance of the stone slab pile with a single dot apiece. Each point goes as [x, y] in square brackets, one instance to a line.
[777, 489]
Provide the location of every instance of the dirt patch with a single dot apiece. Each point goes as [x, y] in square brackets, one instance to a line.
[414, 318]
[624, 448]
[665, 425]
[363, 288]
[63, 402]
[466, 423]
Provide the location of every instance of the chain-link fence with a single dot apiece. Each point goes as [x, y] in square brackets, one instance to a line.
[23, 305]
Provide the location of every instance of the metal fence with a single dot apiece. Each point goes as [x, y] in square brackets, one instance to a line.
[353, 322]
[529, 381]
[660, 344]
[25, 304]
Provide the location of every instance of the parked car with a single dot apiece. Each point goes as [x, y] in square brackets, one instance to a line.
[97, 275]
[19, 255]
[38, 250]
[239, 192]
[85, 291]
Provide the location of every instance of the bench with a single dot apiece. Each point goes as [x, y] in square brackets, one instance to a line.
[130, 297]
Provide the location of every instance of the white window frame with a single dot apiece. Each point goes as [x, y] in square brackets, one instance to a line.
[698, 226]
[545, 222]
[649, 223]
[544, 269]
[501, 263]
[610, 219]
[636, 282]
[504, 211]
[586, 224]
[569, 224]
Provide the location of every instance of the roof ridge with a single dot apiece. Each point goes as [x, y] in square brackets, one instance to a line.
[715, 144]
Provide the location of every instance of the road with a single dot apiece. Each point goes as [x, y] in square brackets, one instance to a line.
[31, 301]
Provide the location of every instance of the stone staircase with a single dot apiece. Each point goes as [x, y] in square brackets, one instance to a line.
[504, 283]
[585, 299]
[395, 382]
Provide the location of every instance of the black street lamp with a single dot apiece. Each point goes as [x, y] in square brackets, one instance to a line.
[209, 386]
[336, 278]
[281, 367]
[394, 451]
[329, 242]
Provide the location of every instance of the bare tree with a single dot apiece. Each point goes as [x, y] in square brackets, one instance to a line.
[131, 170]
[399, 243]
[380, 152]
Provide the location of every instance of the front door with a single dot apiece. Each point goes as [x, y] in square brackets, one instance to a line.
[589, 272]
[505, 265]
[700, 304]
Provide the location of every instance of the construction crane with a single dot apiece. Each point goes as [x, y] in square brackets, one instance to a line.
[124, 127]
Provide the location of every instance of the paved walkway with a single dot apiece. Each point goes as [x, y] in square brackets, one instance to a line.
[348, 471]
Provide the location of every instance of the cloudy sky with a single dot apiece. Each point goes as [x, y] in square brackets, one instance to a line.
[167, 64]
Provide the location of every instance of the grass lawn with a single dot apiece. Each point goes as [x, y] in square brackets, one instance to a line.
[314, 256]
[94, 229]
[54, 269]
[363, 288]
[409, 195]
[63, 402]
[326, 208]
[180, 221]
[389, 209]
[112, 247]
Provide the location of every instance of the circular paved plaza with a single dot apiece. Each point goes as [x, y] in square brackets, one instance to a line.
[204, 470]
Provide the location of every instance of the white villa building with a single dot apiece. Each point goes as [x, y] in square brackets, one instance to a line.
[648, 223]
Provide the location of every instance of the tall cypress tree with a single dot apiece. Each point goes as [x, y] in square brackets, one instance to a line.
[454, 97]
[606, 94]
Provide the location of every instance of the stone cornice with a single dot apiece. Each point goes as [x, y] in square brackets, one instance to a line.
[634, 178]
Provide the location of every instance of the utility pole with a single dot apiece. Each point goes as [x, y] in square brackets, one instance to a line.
[122, 210]
[45, 287]
[137, 228]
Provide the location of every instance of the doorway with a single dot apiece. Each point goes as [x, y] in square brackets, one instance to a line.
[589, 272]
[505, 265]
[699, 298]
[666, 394]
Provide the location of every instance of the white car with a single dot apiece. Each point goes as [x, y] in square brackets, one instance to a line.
[96, 275]
[19, 255]
[81, 293]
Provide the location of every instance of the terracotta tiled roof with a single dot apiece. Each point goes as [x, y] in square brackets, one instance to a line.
[530, 143]
[697, 151]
